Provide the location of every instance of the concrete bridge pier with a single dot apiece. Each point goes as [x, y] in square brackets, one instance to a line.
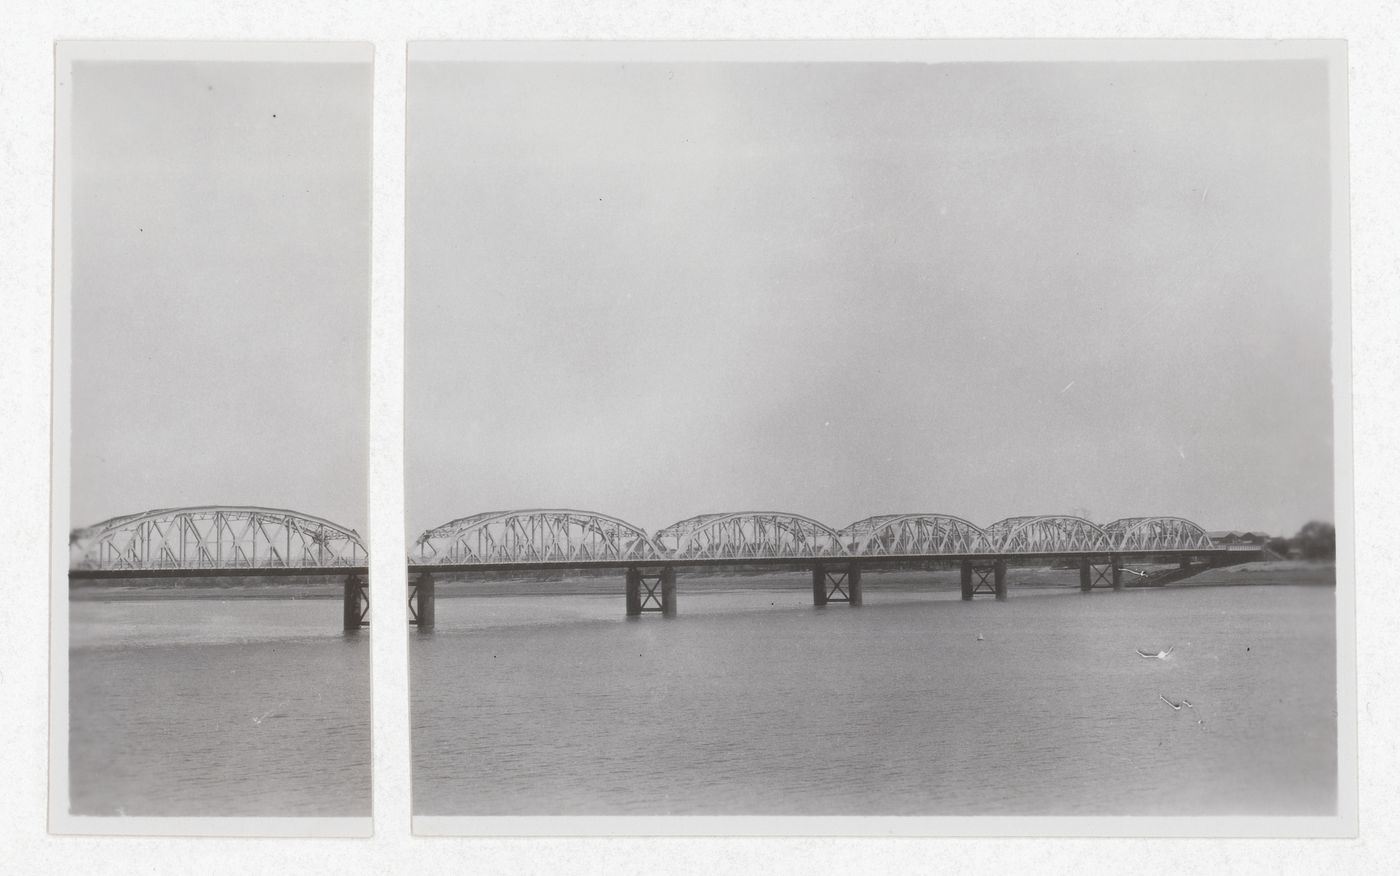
[668, 592]
[838, 584]
[1116, 561]
[634, 591]
[422, 603]
[355, 603]
[984, 577]
[653, 590]
[1086, 583]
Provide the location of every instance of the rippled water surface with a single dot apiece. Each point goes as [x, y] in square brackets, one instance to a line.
[218, 707]
[754, 702]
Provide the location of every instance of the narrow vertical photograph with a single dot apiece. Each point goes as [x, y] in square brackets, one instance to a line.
[863, 438]
[211, 660]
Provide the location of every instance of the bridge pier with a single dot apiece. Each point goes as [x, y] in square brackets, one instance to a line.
[422, 603]
[355, 603]
[651, 591]
[668, 592]
[634, 591]
[841, 585]
[984, 577]
[1094, 573]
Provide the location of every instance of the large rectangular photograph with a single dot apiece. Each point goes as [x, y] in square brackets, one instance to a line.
[945, 436]
[211, 662]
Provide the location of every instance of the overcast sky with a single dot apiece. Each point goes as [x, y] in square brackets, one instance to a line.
[220, 287]
[842, 290]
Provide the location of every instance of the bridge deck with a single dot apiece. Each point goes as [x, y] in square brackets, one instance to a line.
[866, 562]
[272, 572]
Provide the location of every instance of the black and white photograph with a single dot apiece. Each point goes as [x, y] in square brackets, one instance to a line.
[936, 431]
[211, 419]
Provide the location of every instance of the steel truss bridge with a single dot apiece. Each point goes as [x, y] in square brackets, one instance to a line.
[222, 541]
[216, 540]
[543, 539]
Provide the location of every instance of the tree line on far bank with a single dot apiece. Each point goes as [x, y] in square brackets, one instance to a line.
[1317, 540]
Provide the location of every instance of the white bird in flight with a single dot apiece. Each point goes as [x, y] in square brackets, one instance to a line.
[1160, 655]
[1177, 706]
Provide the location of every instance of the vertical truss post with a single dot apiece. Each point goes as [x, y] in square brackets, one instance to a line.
[668, 592]
[999, 570]
[967, 580]
[634, 591]
[1085, 584]
[854, 588]
[819, 585]
[1117, 563]
[355, 603]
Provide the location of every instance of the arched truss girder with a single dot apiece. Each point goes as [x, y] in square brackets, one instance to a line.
[750, 535]
[215, 537]
[556, 535]
[912, 535]
[1157, 534]
[1048, 534]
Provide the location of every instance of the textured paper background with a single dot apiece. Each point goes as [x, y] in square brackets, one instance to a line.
[26, 100]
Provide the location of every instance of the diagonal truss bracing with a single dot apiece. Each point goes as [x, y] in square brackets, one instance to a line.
[215, 537]
[912, 535]
[536, 536]
[1049, 534]
[1131, 534]
[750, 535]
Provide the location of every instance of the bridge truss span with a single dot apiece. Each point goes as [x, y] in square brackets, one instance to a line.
[1046, 535]
[540, 536]
[1157, 534]
[912, 535]
[215, 538]
[750, 535]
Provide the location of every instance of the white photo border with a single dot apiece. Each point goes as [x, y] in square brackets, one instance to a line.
[60, 821]
[1345, 823]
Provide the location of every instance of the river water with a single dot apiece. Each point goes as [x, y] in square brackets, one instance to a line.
[752, 701]
[217, 707]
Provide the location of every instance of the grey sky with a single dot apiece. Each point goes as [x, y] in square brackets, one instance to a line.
[221, 286]
[842, 290]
